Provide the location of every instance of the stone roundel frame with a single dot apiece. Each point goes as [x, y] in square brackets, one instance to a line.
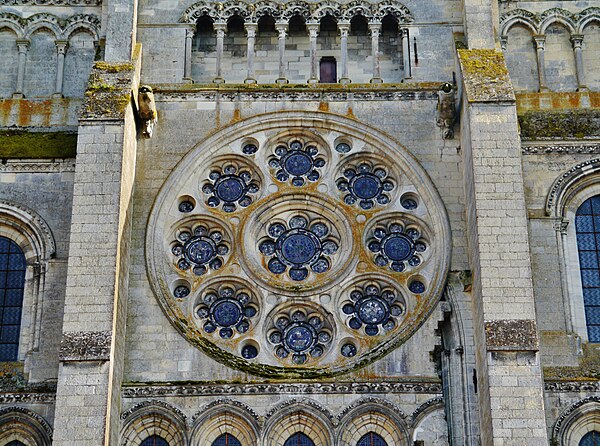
[231, 138]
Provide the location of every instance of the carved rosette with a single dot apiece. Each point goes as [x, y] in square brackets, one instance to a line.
[328, 246]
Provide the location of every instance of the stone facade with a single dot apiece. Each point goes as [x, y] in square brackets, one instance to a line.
[355, 221]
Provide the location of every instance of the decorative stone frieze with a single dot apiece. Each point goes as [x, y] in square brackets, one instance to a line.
[27, 398]
[567, 179]
[85, 346]
[538, 23]
[38, 166]
[50, 2]
[61, 28]
[560, 149]
[156, 391]
[518, 334]
[427, 406]
[572, 386]
[372, 401]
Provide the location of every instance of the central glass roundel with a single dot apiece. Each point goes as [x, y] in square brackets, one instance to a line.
[397, 247]
[372, 311]
[200, 250]
[227, 313]
[366, 186]
[299, 246]
[298, 163]
[299, 338]
[230, 188]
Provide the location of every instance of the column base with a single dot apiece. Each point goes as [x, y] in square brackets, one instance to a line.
[345, 81]
[250, 80]
[218, 80]
[313, 81]
[281, 80]
[18, 96]
[543, 89]
[376, 80]
[57, 95]
[583, 88]
[187, 80]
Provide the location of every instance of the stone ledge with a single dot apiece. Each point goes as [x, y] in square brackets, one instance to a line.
[485, 76]
[85, 346]
[511, 335]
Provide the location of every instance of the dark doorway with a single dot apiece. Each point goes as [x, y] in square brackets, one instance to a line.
[328, 70]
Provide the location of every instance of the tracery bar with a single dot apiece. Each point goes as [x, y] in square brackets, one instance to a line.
[577, 40]
[540, 42]
[220, 28]
[61, 48]
[23, 46]
[251, 29]
[313, 32]
[375, 29]
[281, 28]
[344, 28]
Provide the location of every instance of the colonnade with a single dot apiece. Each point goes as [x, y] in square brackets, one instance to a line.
[282, 27]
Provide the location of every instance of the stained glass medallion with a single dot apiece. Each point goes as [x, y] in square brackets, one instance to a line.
[303, 248]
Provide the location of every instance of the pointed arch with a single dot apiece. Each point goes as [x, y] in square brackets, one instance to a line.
[153, 418]
[24, 425]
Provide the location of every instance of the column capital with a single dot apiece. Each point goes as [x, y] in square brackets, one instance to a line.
[403, 32]
[190, 31]
[220, 28]
[23, 45]
[61, 46]
[343, 28]
[577, 40]
[375, 28]
[281, 28]
[313, 29]
[540, 41]
[251, 29]
[503, 42]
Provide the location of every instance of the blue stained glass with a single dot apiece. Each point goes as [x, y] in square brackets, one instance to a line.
[10, 334]
[592, 315]
[12, 280]
[371, 439]
[226, 440]
[299, 338]
[591, 296]
[15, 443]
[230, 188]
[397, 247]
[12, 316]
[588, 259]
[15, 279]
[298, 248]
[4, 245]
[298, 163]
[200, 250]
[366, 186]
[590, 439]
[596, 223]
[299, 439]
[16, 262]
[585, 208]
[154, 440]
[595, 204]
[372, 311]
[590, 278]
[227, 313]
[586, 242]
[584, 223]
[594, 333]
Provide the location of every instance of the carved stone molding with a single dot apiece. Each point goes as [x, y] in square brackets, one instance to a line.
[38, 166]
[372, 401]
[516, 334]
[275, 389]
[437, 402]
[221, 404]
[567, 413]
[18, 397]
[548, 149]
[85, 346]
[148, 405]
[50, 2]
[572, 386]
[311, 12]
[538, 23]
[34, 421]
[61, 28]
[562, 183]
[302, 402]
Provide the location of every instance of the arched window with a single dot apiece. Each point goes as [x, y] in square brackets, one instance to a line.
[12, 281]
[371, 439]
[590, 439]
[15, 443]
[299, 439]
[587, 225]
[154, 440]
[226, 440]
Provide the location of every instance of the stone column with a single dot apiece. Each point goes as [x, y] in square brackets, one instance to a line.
[251, 29]
[22, 46]
[503, 42]
[508, 366]
[540, 41]
[375, 29]
[577, 40]
[281, 28]
[61, 49]
[344, 27]
[406, 52]
[220, 28]
[187, 67]
[313, 32]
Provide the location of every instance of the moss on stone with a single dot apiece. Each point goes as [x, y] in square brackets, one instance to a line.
[113, 67]
[485, 76]
[561, 124]
[588, 369]
[109, 91]
[23, 144]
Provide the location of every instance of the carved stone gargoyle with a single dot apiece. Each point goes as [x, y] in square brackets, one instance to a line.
[446, 110]
[147, 110]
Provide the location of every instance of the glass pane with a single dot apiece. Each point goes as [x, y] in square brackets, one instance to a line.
[154, 440]
[590, 439]
[591, 296]
[585, 208]
[590, 278]
[584, 223]
[371, 439]
[299, 439]
[586, 242]
[226, 440]
[588, 259]
[12, 280]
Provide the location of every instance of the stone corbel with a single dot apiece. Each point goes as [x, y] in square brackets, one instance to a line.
[147, 110]
[446, 110]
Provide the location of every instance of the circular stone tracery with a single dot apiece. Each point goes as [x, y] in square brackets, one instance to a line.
[228, 188]
[297, 248]
[299, 245]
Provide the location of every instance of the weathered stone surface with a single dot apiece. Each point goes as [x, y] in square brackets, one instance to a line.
[85, 346]
[516, 334]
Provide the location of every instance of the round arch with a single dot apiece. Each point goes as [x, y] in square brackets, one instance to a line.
[153, 418]
[225, 417]
[576, 421]
[24, 425]
[294, 416]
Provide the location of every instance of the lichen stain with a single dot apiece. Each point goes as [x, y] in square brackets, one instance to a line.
[324, 106]
[6, 106]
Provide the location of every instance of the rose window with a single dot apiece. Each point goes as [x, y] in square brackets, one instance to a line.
[397, 247]
[228, 188]
[298, 245]
[296, 242]
[365, 185]
[298, 162]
